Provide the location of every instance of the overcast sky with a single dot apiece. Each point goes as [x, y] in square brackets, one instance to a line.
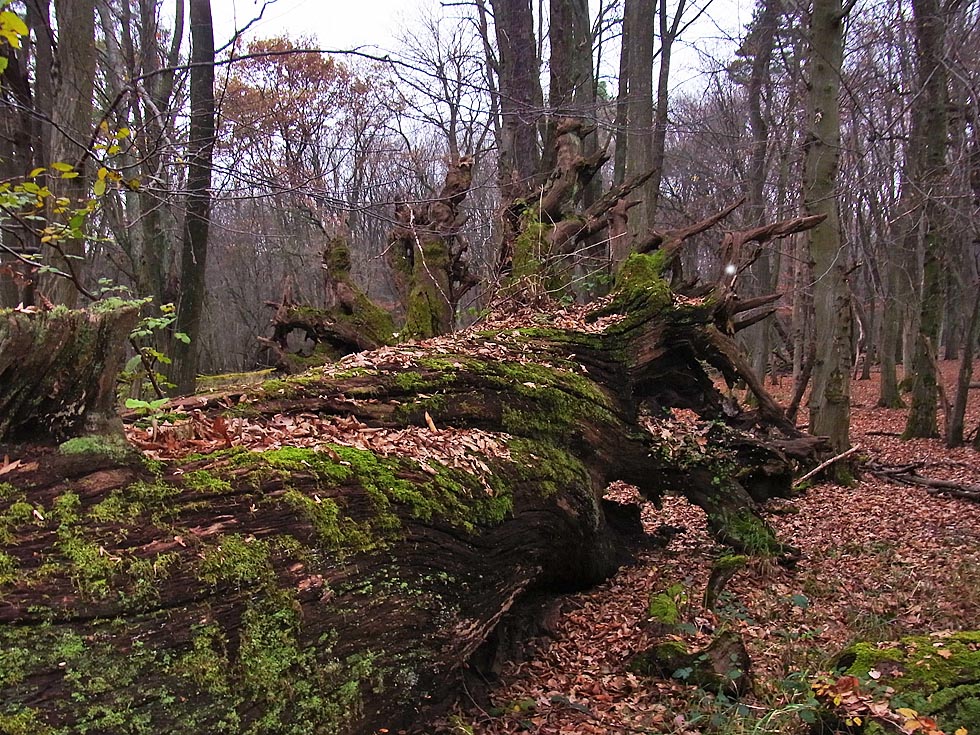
[338, 24]
[346, 24]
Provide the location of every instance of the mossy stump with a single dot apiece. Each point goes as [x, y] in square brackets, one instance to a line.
[722, 666]
[58, 370]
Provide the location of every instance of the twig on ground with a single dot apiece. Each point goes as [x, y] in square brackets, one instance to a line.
[907, 475]
[823, 465]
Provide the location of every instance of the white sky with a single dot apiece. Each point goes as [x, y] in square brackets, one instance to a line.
[346, 24]
[340, 24]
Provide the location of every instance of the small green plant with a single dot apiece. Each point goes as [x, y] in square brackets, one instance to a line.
[146, 408]
[142, 374]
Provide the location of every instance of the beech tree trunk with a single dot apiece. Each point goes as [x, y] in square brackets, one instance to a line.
[639, 18]
[928, 155]
[70, 122]
[520, 97]
[341, 585]
[830, 392]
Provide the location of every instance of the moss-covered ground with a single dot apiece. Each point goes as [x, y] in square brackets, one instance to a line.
[936, 675]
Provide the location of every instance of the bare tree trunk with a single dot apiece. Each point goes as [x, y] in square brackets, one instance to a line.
[830, 393]
[201, 136]
[622, 113]
[520, 97]
[669, 30]
[70, 130]
[760, 45]
[639, 22]
[928, 153]
[954, 426]
[571, 91]
[891, 326]
[16, 159]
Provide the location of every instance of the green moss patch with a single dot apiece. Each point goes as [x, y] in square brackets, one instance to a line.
[666, 607]
[937, 675]
[24, 722]
[112, 446]
[275, 680]
[125, 506]
[745, 531]
[554, 469]
[236, 560]
[640, 289]
[391, 484]
[18, 515]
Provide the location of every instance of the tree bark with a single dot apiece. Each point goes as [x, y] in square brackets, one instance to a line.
[16, 125]
[639, 19]
[348, 579]
[955, 423]
[760, 44]
[197, 214]
[830, 392]
[928, 153]
[347, 322]
[69, 130]
[571, 90]
[520, 97]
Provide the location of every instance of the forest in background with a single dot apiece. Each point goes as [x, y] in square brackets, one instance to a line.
[213, 179]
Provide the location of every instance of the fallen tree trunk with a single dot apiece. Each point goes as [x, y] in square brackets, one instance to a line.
[326, 552]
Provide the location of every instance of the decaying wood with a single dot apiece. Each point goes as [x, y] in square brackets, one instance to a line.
[722, 666]
[349, 579]
[733, 244]
[672, 241]
[58, 370]
[553, 210]
[908, 475]
[428, 256]
[347, 322]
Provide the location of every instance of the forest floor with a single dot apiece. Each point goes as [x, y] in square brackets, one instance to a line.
[880, 560]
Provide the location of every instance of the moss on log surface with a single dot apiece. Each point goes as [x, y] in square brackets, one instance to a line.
[936, 675]
[340, 588]
[58, 369]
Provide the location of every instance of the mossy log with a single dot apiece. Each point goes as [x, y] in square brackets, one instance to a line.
[58, 370]
[935, 675]
[342, 589]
